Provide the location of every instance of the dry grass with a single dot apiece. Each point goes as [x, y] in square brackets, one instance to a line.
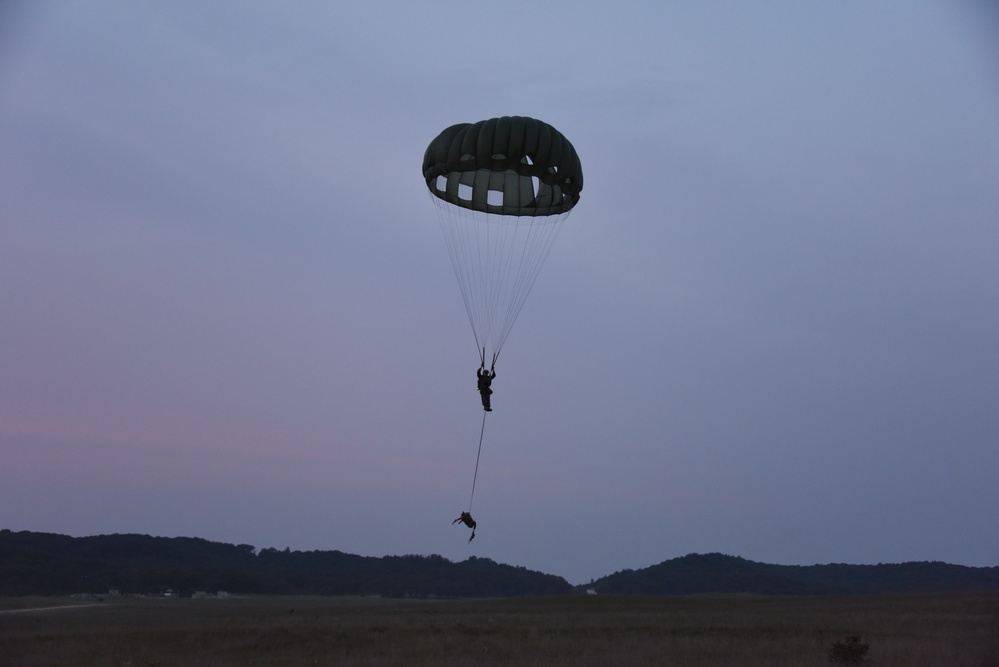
[957, 630]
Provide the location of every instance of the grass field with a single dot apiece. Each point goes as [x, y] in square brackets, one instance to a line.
[956, 630]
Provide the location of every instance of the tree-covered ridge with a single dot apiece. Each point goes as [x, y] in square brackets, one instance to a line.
[719, 573]
[49, 564]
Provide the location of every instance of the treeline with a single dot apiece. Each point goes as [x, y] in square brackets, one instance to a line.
[49, 564]
[719, 573]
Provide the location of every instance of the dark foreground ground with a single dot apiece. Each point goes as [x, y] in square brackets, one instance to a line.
[956, 630]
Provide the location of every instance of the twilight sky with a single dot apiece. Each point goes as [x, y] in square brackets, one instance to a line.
[770, 328]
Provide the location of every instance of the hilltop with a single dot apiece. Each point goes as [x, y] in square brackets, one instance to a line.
[720, 573]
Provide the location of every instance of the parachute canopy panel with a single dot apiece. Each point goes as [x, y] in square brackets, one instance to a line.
[512, 165]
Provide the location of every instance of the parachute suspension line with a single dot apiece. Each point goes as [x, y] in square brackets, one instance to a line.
[477, 455]
[531, 247]
[535, 252]
[496, 261]
[459, 250]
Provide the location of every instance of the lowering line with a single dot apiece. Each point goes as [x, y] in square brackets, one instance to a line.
[475, 476]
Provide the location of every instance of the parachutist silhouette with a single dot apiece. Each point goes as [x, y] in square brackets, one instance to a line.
[482, 177]
[466, 518]
[485, 379]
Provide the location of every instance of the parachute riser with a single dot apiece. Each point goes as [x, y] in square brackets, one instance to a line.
[482, 359]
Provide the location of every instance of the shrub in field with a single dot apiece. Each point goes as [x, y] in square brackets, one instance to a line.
[849, 651]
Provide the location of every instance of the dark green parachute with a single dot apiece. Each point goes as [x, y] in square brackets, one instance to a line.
[502, 188]
[512, 165]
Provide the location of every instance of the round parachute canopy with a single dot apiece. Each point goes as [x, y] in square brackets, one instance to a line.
[502, 189]
[512, 165]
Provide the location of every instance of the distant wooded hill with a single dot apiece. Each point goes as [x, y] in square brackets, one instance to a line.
[718, 573]
[49, 564]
